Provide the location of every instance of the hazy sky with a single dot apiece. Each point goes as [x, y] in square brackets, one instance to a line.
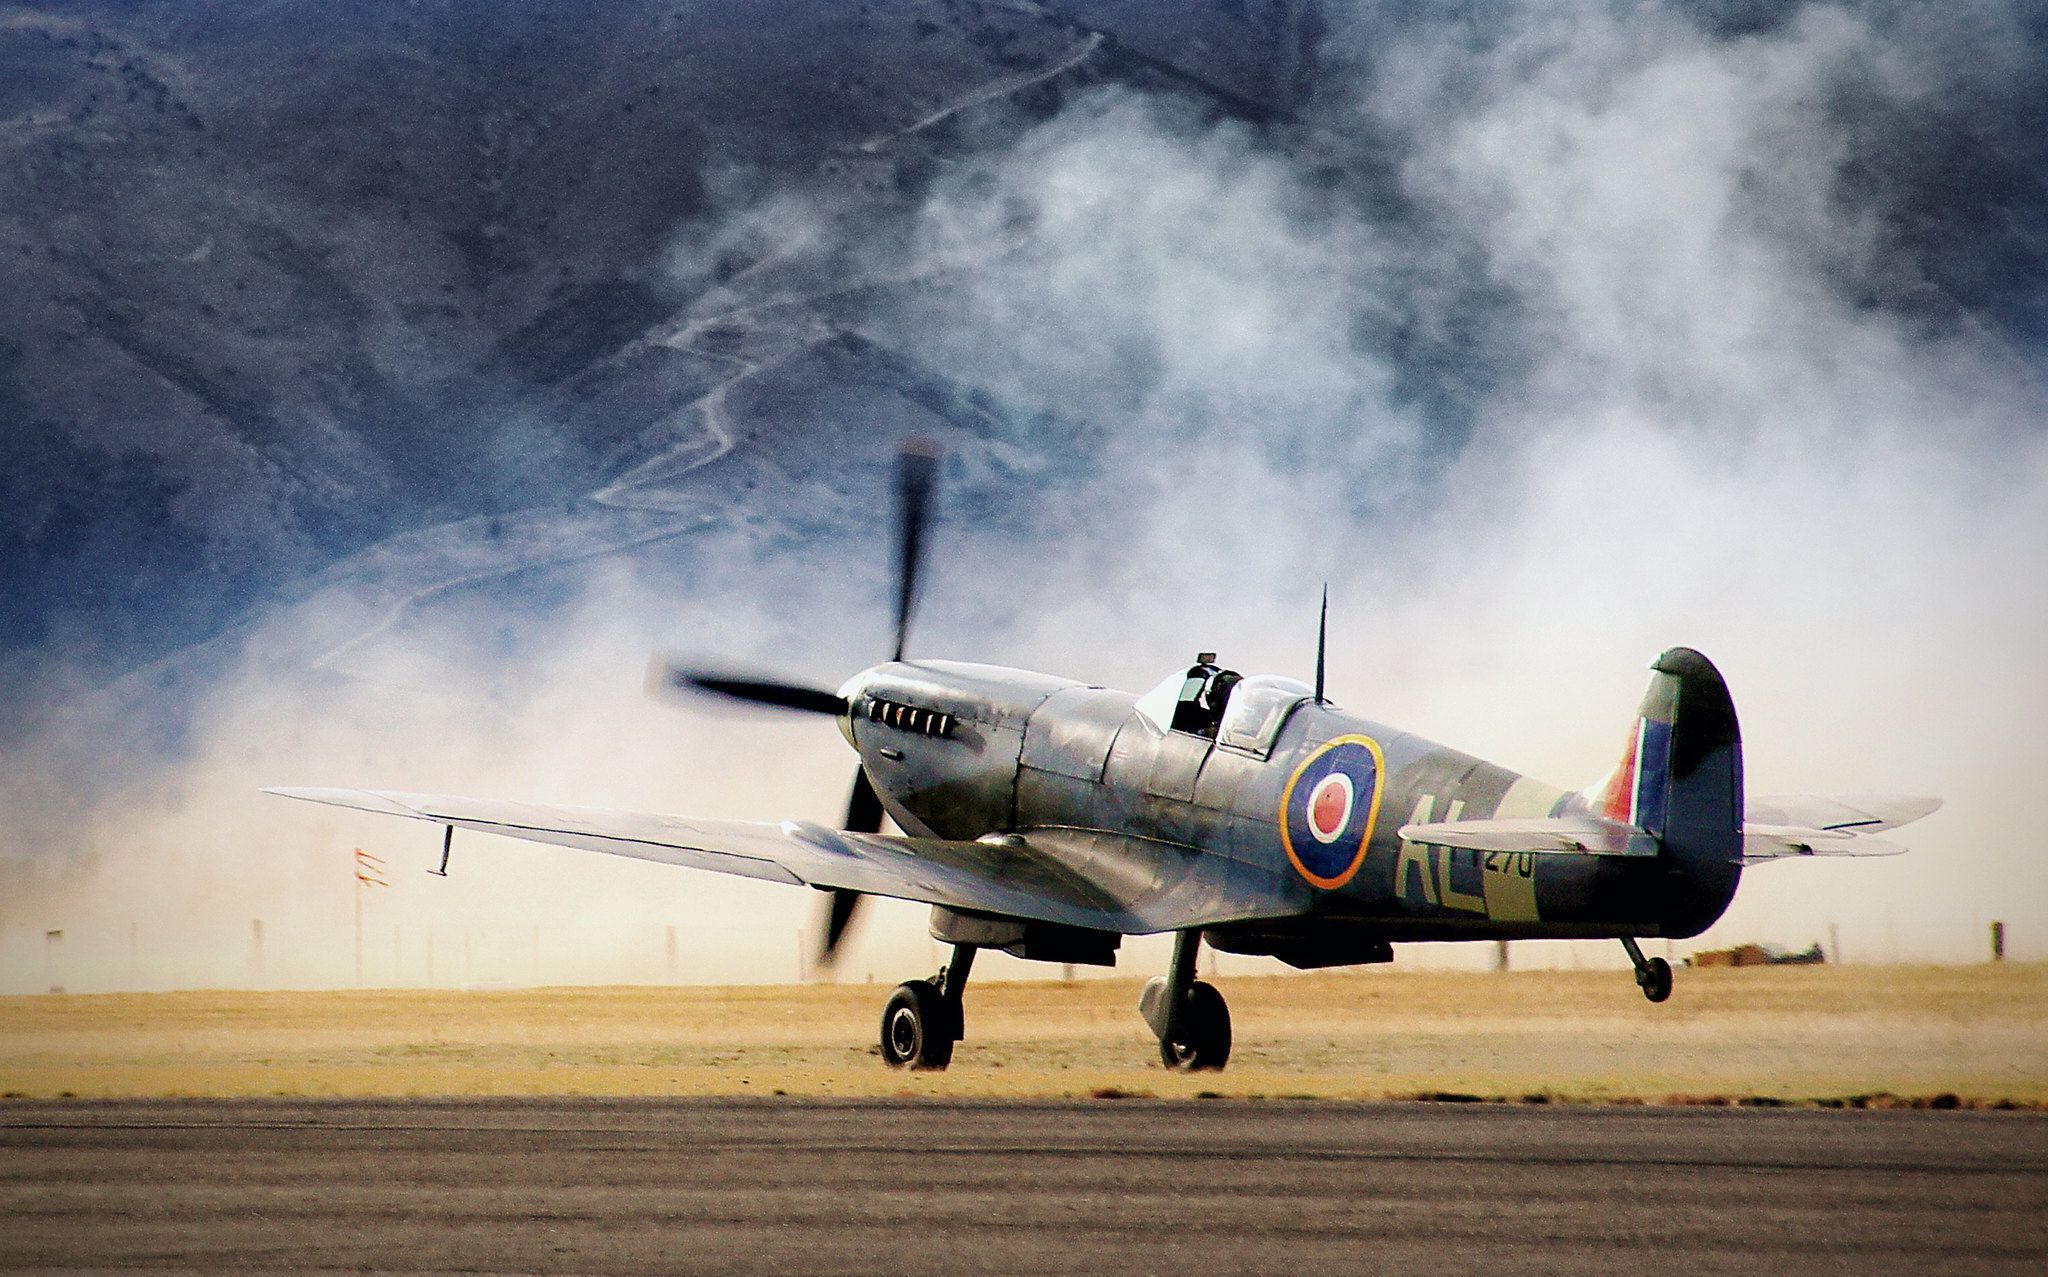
[1550, 337]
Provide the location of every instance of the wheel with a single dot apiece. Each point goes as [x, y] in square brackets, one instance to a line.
[1204, 1032]
[916, 1029]
[1655, 979]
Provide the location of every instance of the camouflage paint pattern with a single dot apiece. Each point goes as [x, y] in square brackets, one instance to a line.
[1320, 808]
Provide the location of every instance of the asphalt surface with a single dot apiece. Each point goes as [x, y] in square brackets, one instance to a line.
[1126, 1186]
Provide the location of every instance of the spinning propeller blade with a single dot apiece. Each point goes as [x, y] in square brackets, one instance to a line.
[863, 807]
[758, 691]
[863, 816]
[917, 476]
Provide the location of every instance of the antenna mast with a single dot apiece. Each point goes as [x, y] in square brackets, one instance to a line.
[1322, 641]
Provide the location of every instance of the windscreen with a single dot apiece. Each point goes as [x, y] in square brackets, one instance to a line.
[1258, 707]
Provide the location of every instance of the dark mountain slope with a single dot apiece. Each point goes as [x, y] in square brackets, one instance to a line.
[285, 280]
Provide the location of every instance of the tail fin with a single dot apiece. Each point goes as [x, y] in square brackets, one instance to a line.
[1680, 778]
[1635, 792]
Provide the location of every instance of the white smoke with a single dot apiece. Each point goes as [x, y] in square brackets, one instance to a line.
[1663, 398]
[1699, 431]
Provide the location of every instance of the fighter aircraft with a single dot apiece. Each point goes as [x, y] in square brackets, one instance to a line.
[1049, 818]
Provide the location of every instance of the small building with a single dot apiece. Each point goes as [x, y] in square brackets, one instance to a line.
[1758, 955]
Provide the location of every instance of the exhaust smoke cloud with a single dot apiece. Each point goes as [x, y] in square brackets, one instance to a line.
[1550, 336]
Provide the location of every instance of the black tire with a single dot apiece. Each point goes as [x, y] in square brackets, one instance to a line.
[1204, 1032]
[1655, 979]
[916, 1028]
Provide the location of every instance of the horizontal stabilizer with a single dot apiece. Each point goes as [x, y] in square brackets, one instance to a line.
[1775, 842]
[1556, 835]
[1787, 825]
[1856, 813]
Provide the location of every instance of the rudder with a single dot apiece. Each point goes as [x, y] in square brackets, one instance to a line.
[1680, 778]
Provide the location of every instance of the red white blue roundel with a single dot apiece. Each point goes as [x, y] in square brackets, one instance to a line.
[1328, 808]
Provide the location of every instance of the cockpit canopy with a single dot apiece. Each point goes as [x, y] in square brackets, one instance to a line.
[1206, 700]
[1258, 709]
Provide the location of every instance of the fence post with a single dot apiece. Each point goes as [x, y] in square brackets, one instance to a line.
[53, 949]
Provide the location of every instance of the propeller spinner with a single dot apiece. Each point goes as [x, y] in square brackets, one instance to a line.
[917, 475]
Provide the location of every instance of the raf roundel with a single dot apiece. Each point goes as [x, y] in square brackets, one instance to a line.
[1328, 809]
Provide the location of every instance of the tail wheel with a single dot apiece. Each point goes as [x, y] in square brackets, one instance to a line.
[1655, 979]
[1202, 1037]
[917, 1030]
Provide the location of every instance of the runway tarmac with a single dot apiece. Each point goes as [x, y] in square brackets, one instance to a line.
[1126, 1186]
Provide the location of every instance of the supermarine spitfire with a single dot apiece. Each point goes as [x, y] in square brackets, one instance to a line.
[1049, 819]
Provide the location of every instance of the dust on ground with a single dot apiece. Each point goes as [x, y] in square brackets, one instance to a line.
[1793, 1034]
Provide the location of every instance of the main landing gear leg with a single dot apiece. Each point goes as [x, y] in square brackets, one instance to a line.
[1190, 1017]
[1653, 975]
[924, 1018]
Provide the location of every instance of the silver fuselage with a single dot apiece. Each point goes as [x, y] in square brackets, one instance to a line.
[1021, 751]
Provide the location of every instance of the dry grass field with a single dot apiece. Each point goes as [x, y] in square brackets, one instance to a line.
[1797, 1034]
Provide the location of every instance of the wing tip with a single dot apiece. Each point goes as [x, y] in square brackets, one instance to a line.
[355, 799]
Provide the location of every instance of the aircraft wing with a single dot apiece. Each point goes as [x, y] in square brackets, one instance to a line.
[1079, 878]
